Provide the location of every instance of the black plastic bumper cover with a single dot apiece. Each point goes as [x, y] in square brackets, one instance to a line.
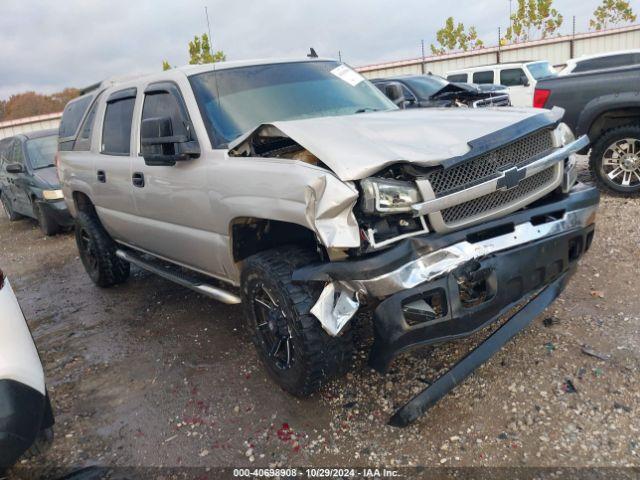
[57, 210]
[23, 413]
[443, 385]
[512, 276]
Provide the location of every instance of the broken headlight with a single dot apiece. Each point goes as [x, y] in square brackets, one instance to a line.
[563, 134]
[384, 196]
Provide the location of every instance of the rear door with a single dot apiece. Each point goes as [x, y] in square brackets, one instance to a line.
[112, 185]
[518, 85]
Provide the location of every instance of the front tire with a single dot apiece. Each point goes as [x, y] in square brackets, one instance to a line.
[47, 225]
[98, 252]
[8, 208]
[615, 160]
[298, 354]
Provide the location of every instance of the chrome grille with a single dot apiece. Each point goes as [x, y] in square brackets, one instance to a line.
[498, 199]
[490, 164]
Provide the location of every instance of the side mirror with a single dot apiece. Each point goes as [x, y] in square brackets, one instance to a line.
[14, 168]
[393, 91]
[161, 147]
[526, 82]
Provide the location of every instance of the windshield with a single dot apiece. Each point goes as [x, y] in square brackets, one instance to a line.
[426, 86]
[234, 101]
[541, 70]
[41, 151]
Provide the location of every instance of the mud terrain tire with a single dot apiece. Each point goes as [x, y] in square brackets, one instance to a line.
[98, 252]
[308, 356]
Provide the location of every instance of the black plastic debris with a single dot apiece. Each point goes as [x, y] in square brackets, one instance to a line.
[569, 387]
[592, 353]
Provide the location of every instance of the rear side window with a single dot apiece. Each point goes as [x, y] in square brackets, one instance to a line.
[512, 77]
[458, 78]
[83, 143]
[72, 115]
[116, 131]
[611, 61]
[483, 77]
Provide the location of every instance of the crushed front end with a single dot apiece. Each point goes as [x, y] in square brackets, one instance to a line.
[497, 230]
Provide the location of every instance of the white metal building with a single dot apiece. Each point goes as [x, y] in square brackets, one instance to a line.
[557, 50]
[29, 124]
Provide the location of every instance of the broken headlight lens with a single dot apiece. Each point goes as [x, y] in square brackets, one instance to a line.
[388, 196]
[563, 134]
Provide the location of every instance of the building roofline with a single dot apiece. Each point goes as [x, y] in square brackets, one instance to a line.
[494, 49]
[27, 120]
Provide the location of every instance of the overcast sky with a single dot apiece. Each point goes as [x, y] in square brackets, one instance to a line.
[48, 45]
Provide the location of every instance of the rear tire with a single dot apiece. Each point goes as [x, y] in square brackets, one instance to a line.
[615, 160]
[305, 357]
[8, 208]
[48, 226]
[98, 252]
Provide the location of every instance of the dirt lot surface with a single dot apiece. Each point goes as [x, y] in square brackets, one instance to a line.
[152, 374]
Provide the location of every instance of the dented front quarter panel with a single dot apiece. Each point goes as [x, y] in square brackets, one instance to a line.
[288, 191]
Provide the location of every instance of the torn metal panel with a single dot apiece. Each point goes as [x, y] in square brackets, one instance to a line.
[335, 307]
[329, 209]
[357, 146]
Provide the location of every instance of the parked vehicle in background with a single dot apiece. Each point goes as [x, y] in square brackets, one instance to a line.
[520, 78]
[26, 418]
[599, 61]
[29, 184]
[298, 183]
[417, 91]
[605, 105]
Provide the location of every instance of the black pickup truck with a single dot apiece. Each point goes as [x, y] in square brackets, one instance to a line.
[605, 105]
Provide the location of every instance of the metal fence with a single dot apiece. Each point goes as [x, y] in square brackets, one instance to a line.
[557, 50]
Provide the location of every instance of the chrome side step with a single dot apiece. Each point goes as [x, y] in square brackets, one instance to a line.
[180, 278]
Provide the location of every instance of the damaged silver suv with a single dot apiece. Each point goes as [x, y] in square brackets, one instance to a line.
[300, 190]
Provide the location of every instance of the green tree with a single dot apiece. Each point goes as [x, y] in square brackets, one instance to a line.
[612, 12]
[452, 37]
[533, 19]
[200, 52]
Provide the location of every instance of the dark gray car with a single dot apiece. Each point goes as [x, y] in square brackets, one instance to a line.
[29, 184]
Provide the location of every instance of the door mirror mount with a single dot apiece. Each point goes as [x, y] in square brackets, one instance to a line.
[159, 145]
[14, 168]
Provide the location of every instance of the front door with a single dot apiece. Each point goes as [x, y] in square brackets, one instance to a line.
[19, 182]
[173, 202]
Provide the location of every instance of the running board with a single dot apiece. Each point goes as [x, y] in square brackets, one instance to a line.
[178, 277]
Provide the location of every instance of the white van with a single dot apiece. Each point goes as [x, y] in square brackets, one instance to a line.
[519, 78]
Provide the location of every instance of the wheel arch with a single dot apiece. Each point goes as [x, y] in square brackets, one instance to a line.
[251, 235]
[606, 112]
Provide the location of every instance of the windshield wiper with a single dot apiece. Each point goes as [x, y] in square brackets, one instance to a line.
[367, 109]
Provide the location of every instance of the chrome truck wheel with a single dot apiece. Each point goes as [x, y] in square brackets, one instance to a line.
[615, 160]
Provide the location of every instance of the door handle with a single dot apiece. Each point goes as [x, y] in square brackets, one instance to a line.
[102, 176]
[138, 179]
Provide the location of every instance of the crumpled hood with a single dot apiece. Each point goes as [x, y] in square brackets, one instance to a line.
[357, 146]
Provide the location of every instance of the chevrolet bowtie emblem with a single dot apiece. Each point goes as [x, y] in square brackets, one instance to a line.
[511, 178]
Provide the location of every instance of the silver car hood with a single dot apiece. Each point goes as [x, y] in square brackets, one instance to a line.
[357, 146]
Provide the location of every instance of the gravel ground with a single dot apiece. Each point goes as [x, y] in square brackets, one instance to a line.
[152, 374]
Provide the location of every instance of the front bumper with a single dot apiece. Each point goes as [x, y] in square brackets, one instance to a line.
[475, 275]
[57, 210]
[24, 412]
